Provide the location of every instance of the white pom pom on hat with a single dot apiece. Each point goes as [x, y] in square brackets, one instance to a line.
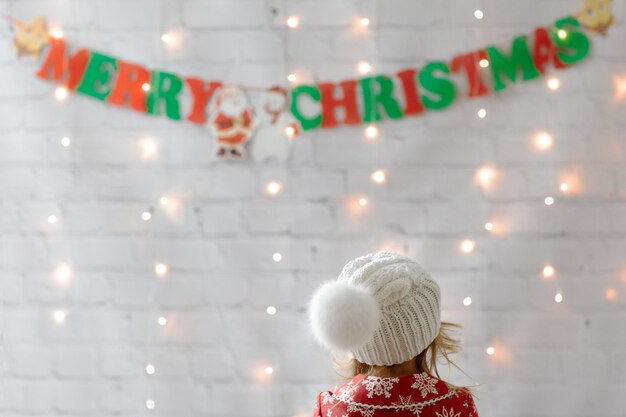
[383, 308]
[342, 316]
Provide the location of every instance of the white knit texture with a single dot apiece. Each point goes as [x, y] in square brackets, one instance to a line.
[410, 303]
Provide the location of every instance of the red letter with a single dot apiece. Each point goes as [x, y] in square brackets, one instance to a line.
[129, 83]
[545, 51]
[202, 93]
[468, 62]
[56, 65]
[348, 102]
[411, 97]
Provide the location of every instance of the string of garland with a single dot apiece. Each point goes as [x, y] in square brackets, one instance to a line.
[409, 92]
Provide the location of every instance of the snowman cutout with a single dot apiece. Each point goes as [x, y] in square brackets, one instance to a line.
[277, 127]
[232, 122]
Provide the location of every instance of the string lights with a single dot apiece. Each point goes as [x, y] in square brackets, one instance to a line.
[481, 113]
[371, 132]
[277, 257]
[65, 141]
[490, 350]
[489, 226]
[611, 294]
[293, 22]
[63, 274]
[145, 86]
[467, 301]
[166, 38]
[564, 187]
[364, 67]
[56, 33]
[161, 269]
[61, 93]
[485, 176]
[548, 272]
[59, 316]
[379, 176]
[292, 78]
[162, 321]
[150, 404]
[52, 219]
[273, 188]
[148, 148]
[558, 297]
[548, 201]
[362, 201]
[543, 141]
[365, 22]
[271, 310]
[150, 369]
[553, 83]
[484, 63]
[146, 216]
[478, 14]
[467, 246]
[269, 370]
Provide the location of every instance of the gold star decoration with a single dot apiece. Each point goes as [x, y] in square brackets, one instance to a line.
[31, 38]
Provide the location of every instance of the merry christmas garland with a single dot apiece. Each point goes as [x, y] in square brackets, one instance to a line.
[234, 121]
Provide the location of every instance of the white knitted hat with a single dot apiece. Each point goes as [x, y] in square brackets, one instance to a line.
[383, 308]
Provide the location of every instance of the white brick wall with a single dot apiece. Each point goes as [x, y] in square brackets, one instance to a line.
[552, 359]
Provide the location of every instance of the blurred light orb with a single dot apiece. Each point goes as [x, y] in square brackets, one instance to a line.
[150, 369]
[379, 176]
[491, 350]
[484, 63]
[553, 83]
[467, 301]
[478, 14]
[558, 297]
[371, 132]
[364, 67]
[467, 246]
[271, 310]
[161, 269]
[292, 78]
[293, 22]
[65, 142]
[277, 257]
[162, 321]
[489, 226]
[52, 219]
[548, 201]
[365, 22]
[269, 370]
[543, 141]
[273, 188]
[61, 93]
[548, 271]
[59, 316]
[482, 113]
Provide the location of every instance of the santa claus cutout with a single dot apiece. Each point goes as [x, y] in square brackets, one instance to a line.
[232, 122]
[277, 128]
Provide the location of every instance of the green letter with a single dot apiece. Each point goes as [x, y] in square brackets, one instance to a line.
[520, 58]
[97, 78]
[384, 97]
[573, 45]
[316, 95]
[438, 86]
[165, 87]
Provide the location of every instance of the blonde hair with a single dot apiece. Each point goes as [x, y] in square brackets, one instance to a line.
[443, 346]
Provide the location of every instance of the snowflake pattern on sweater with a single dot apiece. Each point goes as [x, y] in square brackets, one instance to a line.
[417, 395]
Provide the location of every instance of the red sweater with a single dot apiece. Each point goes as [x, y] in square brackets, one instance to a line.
[417, 395]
